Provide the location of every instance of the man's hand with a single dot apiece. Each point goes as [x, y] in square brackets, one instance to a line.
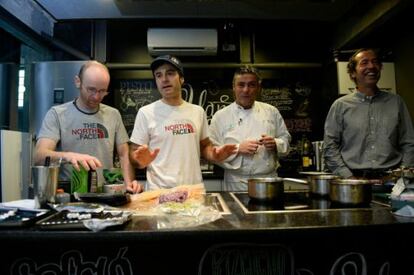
[135, 187]
[223, 152]
[249, 147]
[144, 156]
[268, 142]
[86, 161]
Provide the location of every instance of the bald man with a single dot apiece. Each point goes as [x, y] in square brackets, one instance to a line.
[84, 132]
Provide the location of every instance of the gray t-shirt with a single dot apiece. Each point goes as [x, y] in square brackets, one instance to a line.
[93, 134]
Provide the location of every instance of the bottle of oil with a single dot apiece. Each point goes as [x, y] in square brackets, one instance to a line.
[307, 161]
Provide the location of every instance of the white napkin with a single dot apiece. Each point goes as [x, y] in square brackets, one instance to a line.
[21, 204]
[406, 211]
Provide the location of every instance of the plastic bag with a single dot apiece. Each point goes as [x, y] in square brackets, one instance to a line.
[100, 224]
[185, 214]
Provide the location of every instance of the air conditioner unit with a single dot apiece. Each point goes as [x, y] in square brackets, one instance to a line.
[182, 41]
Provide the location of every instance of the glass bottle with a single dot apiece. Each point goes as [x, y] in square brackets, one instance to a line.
[306, 154]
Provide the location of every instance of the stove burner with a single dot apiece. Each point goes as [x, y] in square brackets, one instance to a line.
[302, 201]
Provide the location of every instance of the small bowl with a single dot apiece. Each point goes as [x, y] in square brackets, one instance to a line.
[115, 188]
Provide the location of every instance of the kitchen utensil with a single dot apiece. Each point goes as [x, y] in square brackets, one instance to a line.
[15, 217]
[266, 189]
[320, 184]
[350, 191]
[47, 161]
[105, 198]
[71, 220]
[317, 148]
[45, 180]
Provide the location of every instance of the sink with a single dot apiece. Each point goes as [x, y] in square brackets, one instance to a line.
[216, 201]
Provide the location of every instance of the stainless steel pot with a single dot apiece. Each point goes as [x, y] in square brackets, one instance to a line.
[351, 191]
[320, 184]
[266, 189]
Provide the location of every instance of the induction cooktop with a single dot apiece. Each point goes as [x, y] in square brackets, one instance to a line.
[294, 201]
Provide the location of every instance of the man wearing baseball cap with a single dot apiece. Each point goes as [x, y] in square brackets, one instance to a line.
[170, 134]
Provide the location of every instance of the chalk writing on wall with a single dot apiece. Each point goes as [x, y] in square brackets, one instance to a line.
[74, 262]
[130, 95]
[212, 102]
[292, 98]
[281, 98]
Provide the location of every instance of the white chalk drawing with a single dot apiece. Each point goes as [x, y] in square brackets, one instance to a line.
[187, 92]
[130, 99]
[303, 271]
[247, 259]
[351, 263]
[258, 259]
[135, 94]
[75, 263]
[211, 107]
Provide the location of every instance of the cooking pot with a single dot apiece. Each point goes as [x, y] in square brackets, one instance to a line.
[266, 189]
[351, 191]
[320, 184]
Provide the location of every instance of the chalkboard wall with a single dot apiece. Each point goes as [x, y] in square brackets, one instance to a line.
[293, 92]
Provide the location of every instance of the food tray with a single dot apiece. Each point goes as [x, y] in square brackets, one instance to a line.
[68, 220]
[14, 217]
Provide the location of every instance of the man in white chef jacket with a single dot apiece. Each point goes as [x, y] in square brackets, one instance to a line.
[258, 129]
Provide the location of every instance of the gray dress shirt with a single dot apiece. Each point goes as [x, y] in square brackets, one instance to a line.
[363, 132]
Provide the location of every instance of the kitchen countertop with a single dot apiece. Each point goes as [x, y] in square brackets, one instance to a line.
[344, 229]
[238, 220]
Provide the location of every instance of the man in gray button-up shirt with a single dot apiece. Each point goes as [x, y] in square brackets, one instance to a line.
[370, 129]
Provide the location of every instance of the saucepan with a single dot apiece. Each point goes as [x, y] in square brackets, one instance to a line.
[351, 191]
[272, 188]
[266, 189]
[319, 185]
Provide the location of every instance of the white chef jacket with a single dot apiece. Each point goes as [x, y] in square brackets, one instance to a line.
[234, 124]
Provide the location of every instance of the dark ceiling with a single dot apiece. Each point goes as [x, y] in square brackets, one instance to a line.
[347, 23]
[320, 10]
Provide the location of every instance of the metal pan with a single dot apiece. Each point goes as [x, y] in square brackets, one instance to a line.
[320, 184]
[266, 189]
[351, 191]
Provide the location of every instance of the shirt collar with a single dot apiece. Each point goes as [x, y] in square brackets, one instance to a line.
[362, 97]
[238, 107]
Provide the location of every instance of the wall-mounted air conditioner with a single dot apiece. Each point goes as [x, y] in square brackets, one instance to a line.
[182, 41]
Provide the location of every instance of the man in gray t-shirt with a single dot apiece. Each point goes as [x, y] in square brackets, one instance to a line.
[85, 132]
